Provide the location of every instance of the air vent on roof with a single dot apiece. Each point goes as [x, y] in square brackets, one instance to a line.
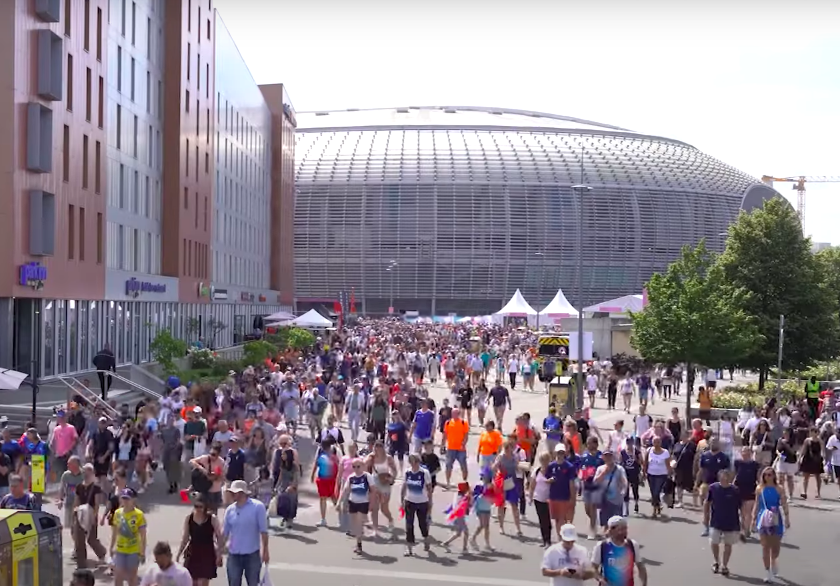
[322, 113]
[402, 110]
[450, 111]
[352, 109]
[497, 113]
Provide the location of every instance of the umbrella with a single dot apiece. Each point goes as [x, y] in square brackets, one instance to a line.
[10, 380]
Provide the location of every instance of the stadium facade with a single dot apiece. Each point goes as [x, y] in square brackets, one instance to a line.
[450, 209]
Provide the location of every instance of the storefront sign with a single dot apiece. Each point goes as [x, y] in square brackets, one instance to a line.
[218, 294]
[134, 287]
[33, 274]
[247, 297]
[262, 298]
[203, 290]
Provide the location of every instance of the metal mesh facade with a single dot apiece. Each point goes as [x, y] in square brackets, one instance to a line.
[473, 207]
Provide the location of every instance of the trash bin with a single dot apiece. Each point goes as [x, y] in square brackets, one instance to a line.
[30, 549]
[562, 395]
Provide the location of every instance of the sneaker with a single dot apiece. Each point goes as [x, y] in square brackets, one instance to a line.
[768, 579]
[408, 552]
[705, 532]
[323, 523]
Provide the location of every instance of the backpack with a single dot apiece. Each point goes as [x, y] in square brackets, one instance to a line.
[200, 482]
[603, 563]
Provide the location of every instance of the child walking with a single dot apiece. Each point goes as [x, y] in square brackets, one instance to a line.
[458, 517]
[484, 499]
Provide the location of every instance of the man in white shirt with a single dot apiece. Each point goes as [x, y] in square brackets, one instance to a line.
[832, 446]
[165, 570]
[567, 563]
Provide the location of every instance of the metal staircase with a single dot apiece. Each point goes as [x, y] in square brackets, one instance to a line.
[93, 398]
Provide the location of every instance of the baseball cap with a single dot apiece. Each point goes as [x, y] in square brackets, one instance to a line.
[568, 532]
[608, 451]
[616, 521]
[197, 410]
[560, 448]
[103, 420]
[238, 486]
[128, 493]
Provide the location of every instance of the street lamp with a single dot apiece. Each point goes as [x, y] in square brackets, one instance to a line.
[392, 265]
[580, 189]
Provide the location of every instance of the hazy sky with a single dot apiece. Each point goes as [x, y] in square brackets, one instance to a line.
[754, 83]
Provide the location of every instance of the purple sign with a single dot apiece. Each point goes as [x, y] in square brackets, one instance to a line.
[133, 287]
[32, 274]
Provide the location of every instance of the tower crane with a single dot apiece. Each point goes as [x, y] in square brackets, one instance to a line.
[799, 186]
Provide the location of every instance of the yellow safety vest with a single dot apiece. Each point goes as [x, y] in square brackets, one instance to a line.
[812, 390]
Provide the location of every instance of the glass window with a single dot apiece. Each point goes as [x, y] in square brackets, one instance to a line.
[119, 333]
[111, 321]
[61, 335]
[72, 329]
[49, 338]
[93, 328]
[131, 345]
[84, 344]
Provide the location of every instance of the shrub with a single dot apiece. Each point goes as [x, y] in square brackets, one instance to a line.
[257, 351]
[201, 358]
[735, 397]
[165, 348]
[223, 367]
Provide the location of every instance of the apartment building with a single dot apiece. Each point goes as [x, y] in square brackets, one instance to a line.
[123, 213]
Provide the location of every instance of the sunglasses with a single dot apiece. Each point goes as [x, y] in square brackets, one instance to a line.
[357, 467]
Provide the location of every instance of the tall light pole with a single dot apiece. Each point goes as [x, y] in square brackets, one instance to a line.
[392, 265]
[580, 189]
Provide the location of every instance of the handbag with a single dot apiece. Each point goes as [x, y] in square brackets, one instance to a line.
[508, 483]
[768, 520]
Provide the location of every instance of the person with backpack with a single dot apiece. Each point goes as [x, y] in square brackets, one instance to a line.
[615, 557]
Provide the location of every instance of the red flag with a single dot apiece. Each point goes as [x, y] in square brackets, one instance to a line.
[337, 307]
[352, 300]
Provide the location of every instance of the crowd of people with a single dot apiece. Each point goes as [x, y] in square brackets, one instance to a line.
[362, 396]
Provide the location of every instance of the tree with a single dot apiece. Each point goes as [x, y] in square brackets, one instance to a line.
[214, 326]
[768, 257]
[165, 348]
[258, 351]
[692, 316]
[299, 338]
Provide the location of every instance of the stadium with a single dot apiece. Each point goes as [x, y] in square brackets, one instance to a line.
[449, 210]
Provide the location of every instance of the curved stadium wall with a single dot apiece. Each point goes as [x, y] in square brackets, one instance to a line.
[474, 203]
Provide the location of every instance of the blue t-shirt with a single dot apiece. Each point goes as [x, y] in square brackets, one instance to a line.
[424, 421]
[397, 434]
[630, 461]
[746, 477]
[617, 562]
[415, 483]
[326, 466]
[553, 428]
[726, 507]
[589, 462]
[235, 465]
[563, 473]
[711, 464]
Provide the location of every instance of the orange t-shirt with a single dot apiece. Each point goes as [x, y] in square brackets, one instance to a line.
[525, 438]
[490, 442]
[575, 439]
[456, 432]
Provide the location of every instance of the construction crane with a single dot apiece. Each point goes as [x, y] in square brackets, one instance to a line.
[799, 186]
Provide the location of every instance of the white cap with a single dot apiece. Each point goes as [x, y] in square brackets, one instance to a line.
[561, 447]
[568, 532]
[197, 410]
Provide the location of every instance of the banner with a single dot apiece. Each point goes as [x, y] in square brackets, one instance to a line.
[39, 474]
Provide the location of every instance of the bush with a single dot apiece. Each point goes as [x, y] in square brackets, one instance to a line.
[257, 351]
[165, 348]
[294, 338]
[223, 367]
[201, 358]
[200, 376]
[736, 397]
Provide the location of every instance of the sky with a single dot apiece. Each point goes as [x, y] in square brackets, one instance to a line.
[753, 83]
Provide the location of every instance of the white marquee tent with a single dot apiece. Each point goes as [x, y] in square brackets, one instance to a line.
[619, 307]
[280, 316]
[311, 319]
[559, 308]
[516, 307]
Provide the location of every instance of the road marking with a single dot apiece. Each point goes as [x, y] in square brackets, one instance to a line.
[391, 575]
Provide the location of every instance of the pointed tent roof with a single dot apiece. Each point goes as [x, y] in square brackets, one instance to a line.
[312, 319]
[619, 306]
[517, 307]
[559, 307]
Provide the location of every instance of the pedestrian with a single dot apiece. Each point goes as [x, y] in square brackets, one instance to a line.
[562, 491]
[324, 475]
[201, 543]
[85, 527]
[104, 362]
[245, 530]
[712, 461]
[455, 436]
[506, 466]
[416, 493]
[721, 513]
[458, 511]
[658, 469]
[616, 557]
[746, 481]
[128, 539]
[567, 562]
[611, 482]
[769, 522]
[590, 462]
[286, 471]
[631, 460]
[489, 443]
[167, 571]
[540, 487]
[356, 492]
[18, 497]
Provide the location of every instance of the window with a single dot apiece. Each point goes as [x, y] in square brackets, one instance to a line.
[100, 114]
[207, 126]
[206, 163]
[196, 210]
[208, 29]
[120, 246]
[48, 10]
[198, 71]
[136, 246]
[69, 82]
[67, 17]
[99, 237]
[189, 15]
[149, 39]
[133, 23]
[207, 80]
[122, 17]
[151, 155]
[184, 256]
[86, 39]
[187, 101]
[119, 69]
[189, 60]
[148, 92]
[81, 233]
[71, 232]
[186, 198]
[66, 155]
[97, 167]
[205, 213]
[136, 132]
[119, 127]
[88, 93]
[187, 166]
[196, 162]
[133, 71]
[85, 160]
[50, 65]
[99, 34]
[198, 24]
[121, 188]
[41, 223]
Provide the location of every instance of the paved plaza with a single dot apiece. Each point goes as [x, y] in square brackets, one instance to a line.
[672, 548]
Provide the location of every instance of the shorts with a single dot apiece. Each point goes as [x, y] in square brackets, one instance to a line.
[512, 496]
[786, 468]
[417, 443]
[456, 455]
[487, 461]
[643, 394]
[326, 487]
[450, 375]
[561, 510]
[126, 561]
[397, 451]
[608, 510]
[716, 537]
[213, 500]
[360, 508]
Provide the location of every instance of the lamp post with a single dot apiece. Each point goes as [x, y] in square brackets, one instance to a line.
[392, 265]
[580, 189]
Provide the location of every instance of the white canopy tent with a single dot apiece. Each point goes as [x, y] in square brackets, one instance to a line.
[619, 307]
[516, 307]
[310, 319]
[559, 308]
[279, 316]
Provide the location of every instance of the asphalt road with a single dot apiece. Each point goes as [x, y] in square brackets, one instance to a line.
[673, 549]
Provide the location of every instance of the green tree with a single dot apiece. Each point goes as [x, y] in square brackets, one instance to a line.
[768, 257]
[256, 352]
[692, 316]
[165, 348]
[299, 338]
